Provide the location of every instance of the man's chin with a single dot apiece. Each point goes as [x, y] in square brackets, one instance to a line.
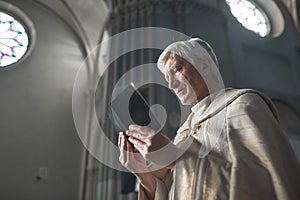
[186, 101]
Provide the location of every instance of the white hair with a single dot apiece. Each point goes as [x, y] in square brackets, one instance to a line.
[194, 51]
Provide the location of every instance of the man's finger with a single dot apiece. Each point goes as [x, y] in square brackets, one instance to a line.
[123, 142]
[138, 128]
[140, 145]
[140, 135]
[119, 140]
[122, 158]
[130, 157]
[136, 134]
[123, 155]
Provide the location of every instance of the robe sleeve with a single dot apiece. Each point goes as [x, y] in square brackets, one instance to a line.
[264, 165]
[161, 192]
[163, 183]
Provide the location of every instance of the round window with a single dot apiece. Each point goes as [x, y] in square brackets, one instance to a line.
[16, 34]
[250, 16]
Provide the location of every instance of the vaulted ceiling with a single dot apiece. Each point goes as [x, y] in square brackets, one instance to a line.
[83, 14]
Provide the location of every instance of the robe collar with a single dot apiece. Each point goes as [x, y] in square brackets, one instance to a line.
[197, 113]
[220, 100]
[201, 106]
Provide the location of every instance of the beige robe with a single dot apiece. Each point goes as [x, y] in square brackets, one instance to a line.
[249, 155]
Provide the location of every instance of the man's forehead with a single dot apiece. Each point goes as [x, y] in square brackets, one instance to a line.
[176, 60]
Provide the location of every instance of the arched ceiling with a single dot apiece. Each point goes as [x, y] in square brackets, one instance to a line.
[85, 17]
[88, 16]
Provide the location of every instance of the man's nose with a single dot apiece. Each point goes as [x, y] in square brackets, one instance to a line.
[173, 82]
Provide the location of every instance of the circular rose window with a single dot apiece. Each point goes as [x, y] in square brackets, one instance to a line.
[250, 16]
[16, 34]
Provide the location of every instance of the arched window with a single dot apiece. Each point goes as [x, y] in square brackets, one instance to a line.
[16, 34]
[250, 16]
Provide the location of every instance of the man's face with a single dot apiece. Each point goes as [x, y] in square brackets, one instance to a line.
[185, 81]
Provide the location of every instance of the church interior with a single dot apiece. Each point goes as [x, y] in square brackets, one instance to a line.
[62, 60]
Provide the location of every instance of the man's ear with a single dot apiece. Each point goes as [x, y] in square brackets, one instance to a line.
[206, 66]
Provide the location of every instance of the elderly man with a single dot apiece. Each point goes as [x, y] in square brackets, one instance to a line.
[230, 147]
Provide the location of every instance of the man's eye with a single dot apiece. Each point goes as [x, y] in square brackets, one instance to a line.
[177, 69]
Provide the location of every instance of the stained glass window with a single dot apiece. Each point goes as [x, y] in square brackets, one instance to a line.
[250, 16]
[13, 40]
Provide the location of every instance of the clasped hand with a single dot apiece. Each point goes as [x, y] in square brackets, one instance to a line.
[148, 145]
